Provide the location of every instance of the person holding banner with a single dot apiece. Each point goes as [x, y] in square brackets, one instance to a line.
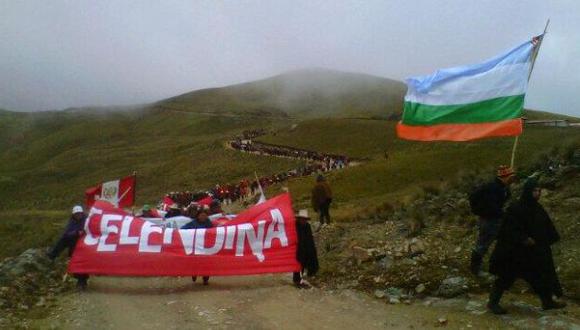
[202, 221]
[306, 250]
[74, 229]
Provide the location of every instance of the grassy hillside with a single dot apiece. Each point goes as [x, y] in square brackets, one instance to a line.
[410, 165]
[537, 115]
[48, 160]
[310, 93]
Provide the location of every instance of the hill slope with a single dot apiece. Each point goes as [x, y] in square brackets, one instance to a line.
[310, 93]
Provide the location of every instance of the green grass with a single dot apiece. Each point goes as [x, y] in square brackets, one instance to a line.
[410, 166]
[23, 229]
[56, 160]
[49, 159]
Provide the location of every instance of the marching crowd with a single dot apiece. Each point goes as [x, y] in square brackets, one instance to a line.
[328, 161]
[523, 232]
[207, 215]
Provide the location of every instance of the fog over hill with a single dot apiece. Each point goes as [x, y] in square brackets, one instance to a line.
[308, 92]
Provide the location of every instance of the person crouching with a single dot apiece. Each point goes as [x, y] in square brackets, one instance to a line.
[202, 221]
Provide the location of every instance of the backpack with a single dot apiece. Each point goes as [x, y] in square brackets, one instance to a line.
[477, 200]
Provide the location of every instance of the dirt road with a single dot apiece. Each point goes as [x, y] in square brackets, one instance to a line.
[256, 302]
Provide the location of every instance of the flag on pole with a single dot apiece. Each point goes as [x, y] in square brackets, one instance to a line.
[120, 193]
[469, 102]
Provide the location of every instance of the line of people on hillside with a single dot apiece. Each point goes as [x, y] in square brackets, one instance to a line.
[524, 233]
[245, 189]
[231, 192]
[328, 161]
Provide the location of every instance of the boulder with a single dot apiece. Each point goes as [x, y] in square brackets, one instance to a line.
[394, 295]
[452, 287]
[30, 261]
[361, 254]
[385, 263]
[394, 300]
[420, 288]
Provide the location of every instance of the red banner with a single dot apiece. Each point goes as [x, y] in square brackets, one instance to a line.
[120, 193]
[259, 240]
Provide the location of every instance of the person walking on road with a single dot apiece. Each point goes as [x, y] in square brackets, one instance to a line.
[487, 202]
[523, 250]
[321, 200]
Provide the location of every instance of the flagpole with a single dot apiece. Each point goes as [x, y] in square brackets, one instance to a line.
[534, 56]
[259, 184]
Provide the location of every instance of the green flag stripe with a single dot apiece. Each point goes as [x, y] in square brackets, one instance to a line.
[492, 110]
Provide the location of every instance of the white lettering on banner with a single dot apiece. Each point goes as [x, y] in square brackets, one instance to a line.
[255, 240]
[259, 236]
[200, 242]
[147, 229]
[125, 227]
[167, 235]
[230, 235]
[187, 239]
[106, 230]
[277, 222]
[89, 238]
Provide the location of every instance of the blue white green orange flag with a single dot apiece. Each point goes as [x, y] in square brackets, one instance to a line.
[469, 102]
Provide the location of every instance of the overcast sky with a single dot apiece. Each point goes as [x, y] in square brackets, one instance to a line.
[58, 54]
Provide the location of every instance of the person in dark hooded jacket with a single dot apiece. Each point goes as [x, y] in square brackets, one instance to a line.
[523, 250]
[306, 250]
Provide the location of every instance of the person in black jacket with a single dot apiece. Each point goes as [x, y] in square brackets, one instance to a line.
[202, 221]
[306, 250]
[74, 229]
[488, 202]
[523, 250]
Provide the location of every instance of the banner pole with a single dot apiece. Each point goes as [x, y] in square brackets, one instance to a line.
[259, 184]
[514, 151]
[534, 56]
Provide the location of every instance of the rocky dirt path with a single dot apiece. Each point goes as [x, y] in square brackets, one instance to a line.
[253, 302]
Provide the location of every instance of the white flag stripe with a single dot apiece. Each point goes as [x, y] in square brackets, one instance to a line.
[505, 80]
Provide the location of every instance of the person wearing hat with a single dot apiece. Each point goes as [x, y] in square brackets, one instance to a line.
[487, 202]
[321, 200]
[523, 250]
[306, 250]
[74, 229]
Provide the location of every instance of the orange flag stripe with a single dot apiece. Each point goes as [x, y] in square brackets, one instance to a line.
[460, 132]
